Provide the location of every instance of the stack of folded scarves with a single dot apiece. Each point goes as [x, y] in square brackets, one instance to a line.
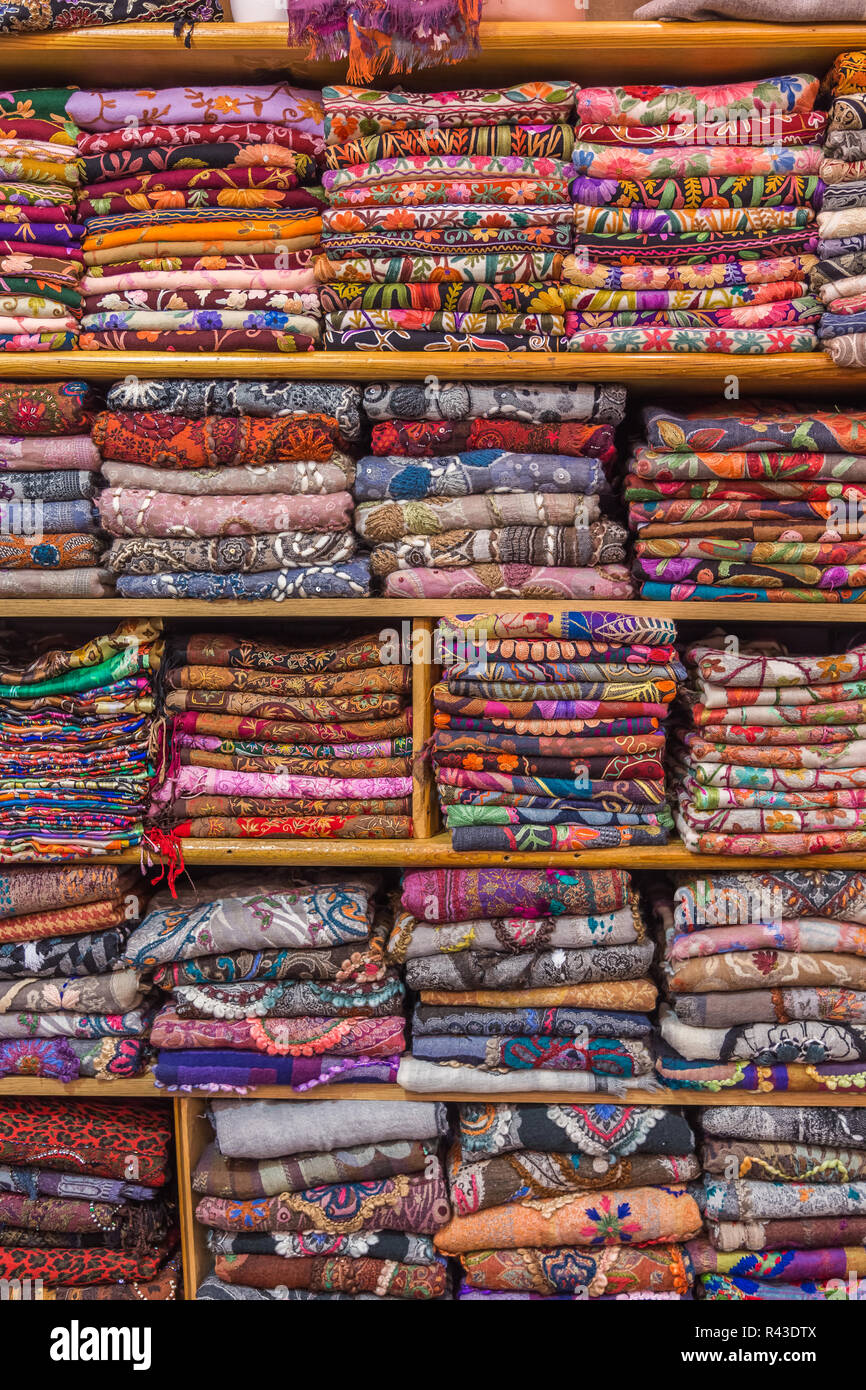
[323, 1201]
[275, 979]
[77, 743]
[201, 212]
[231, 489]
[549, 729]
[68, 1008]
[49, 478]
[791, 1222]
[288, 742]
[40, 237]
[82, 1199]
[695, 218]
[756, 502]
[571, 1202]
[765, 976]
[491, 490]
[528, 980]
[772, 759]
[839, 277]
[449, 218]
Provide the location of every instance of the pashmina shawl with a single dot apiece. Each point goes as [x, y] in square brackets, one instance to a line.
[300, 915]
[386, 1278]
[352, 112]
[413, 1203]
[637, 1215]
[263, 1129]
[99, 1136]
[245, 1179]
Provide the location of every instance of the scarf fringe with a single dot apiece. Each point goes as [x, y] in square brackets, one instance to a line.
[167, 846]
[381, 37]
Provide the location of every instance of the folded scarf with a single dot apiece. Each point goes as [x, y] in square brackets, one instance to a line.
[732, 340]
[233, 555]
[768, 190]
[630, 106]
[617, 1271]
[393, 519]
[745, 1201]
[554, 547]
[529, 141]
[829, 1077]
[89, 1266]
[378, 1037]
[477, 969]
[710, 276]
[408, 340]
[238, 1071]
[135, 512]
[366, 998]
[296, 916]
[421, 438]
[281, 105]
[642, 1215]
[512, 581]
[765, 1044]
[97, 1137]
[351, 580]
[194, 340]
[351, 111]
[598, 160]
[414, 1204]
[599, 1056]
[387, 1279]
[475, 1186]
[250, 1178]
[811, 1233]
[476, 471]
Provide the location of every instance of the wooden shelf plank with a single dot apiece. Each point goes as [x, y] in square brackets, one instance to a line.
[145, 1086]
[594, 51]
[684, 372]
[107, 1090]
[436, 852]
[385, 610]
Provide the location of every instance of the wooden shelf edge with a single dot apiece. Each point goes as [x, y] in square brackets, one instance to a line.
[383, 609]
[524, 35]
[136, 1086]
[146, 1087]
[436, 852]
[587, 51]
[801, 372]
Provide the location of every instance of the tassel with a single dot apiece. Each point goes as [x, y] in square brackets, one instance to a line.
[167, 846]
[184, 27]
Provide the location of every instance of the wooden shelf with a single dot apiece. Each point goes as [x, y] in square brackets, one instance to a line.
[673, 1098]
[803, 372]
[107, 1090]
[436, 852]
[383, 609]
[594, 51]
[146, 1086]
